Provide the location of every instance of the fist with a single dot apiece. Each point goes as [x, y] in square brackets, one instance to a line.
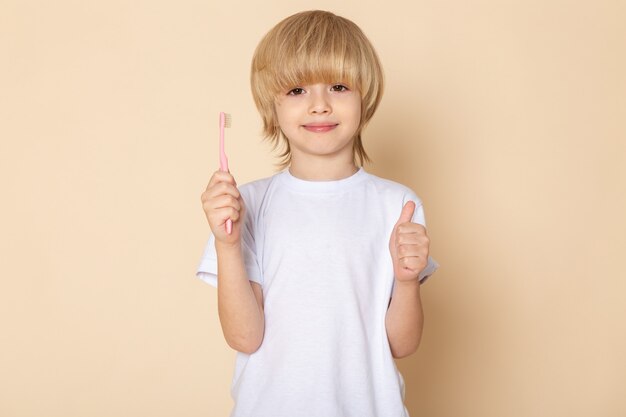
[221, 201]
[408, 246]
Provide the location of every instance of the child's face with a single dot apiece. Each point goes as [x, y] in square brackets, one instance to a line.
[320, 120]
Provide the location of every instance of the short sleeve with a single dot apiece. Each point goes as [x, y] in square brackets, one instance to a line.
[419, 217]
[207, 270]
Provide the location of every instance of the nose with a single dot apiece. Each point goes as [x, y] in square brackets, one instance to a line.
[319, 103]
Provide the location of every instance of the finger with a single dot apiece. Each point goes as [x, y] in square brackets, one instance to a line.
[221, 176]
[413, 238]
[407, 212]
[407, 251]
[409, 227]
[218, 189]
[409, 239]
[219, 216]
[224, 201]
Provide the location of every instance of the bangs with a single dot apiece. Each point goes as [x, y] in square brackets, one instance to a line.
[320, 57]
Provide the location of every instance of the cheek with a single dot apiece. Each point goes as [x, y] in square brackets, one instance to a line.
[287, 122]
[281, 114]
[356, 112]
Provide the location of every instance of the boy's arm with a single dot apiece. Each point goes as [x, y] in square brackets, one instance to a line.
[408, 247]
[405, 318]
[239, 301]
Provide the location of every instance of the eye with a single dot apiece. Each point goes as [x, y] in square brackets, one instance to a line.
[295, 92]
[339, 87]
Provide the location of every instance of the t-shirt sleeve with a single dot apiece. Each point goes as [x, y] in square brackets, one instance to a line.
[207, 270]
[419, 217]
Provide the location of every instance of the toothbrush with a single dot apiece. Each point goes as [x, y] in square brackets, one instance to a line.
[225, 121]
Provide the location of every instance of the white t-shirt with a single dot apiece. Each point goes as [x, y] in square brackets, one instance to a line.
[320, 250]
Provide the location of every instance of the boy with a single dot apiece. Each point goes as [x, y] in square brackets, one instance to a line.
[319, 280]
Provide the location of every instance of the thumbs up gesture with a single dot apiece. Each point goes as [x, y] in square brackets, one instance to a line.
[408, 246]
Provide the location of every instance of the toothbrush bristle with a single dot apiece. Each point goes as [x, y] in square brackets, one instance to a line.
[228, 120]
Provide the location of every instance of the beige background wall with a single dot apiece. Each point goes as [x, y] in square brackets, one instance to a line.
[506, 117]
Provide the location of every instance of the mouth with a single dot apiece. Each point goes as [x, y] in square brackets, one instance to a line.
[320, 127]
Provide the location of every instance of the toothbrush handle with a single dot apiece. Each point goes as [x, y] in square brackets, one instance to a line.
[224, 167]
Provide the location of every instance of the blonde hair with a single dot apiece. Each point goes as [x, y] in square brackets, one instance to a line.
[311, 47]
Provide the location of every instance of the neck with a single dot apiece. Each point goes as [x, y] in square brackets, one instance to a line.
[322, 170]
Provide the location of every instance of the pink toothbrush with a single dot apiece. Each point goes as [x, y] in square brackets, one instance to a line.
[225, 121]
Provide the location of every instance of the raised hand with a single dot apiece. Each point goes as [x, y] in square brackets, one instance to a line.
[408, 246]
[221, 201]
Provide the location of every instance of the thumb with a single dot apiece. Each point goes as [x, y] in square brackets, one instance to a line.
[407, 212]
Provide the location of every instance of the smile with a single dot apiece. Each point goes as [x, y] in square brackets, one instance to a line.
[320, 128]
